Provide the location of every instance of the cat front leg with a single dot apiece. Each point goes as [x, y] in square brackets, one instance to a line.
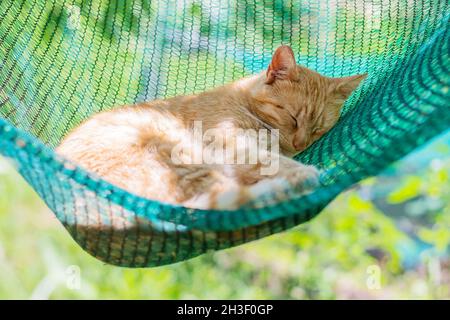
[289, 182]
[255, 189]
[301, 177]
[277, 167]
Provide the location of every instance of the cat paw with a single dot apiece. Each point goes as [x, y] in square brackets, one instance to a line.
[267, 191]
[305, 178]
[267, 187]
[228, 200]
[256, 195]
[296, 180]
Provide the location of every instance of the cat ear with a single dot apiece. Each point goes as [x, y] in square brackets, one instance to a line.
[346, 85]
[283, 61]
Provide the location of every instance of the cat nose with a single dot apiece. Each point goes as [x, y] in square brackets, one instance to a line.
[299, 145]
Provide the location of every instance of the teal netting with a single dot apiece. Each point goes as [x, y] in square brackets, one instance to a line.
[63, 60]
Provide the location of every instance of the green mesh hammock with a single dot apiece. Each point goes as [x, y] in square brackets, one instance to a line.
[64, 60]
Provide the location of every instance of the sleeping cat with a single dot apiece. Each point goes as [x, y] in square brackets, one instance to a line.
[134, 147]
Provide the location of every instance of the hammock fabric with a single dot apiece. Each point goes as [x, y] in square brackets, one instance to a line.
[64, 60]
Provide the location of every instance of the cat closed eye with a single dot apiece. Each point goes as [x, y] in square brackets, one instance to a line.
[295, 121]
[318, 131]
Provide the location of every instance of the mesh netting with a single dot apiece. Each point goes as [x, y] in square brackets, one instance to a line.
[62, 61]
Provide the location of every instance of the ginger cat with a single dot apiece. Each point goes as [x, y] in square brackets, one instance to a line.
[151, 149]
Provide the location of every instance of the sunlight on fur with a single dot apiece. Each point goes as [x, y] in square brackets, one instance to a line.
[133, 146]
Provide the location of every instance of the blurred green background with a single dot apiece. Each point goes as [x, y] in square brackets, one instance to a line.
[387, 237]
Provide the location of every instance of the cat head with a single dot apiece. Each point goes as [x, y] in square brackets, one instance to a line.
[300, 102]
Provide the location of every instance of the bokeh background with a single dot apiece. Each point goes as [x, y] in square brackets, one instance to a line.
[387, 237]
